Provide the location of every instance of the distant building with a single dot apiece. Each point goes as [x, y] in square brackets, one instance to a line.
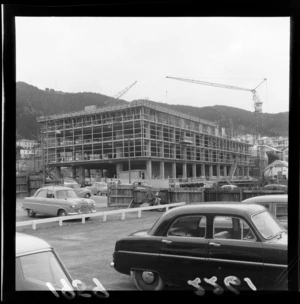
[284, 155]
[27, 148]
[277, 170]
[26, 143]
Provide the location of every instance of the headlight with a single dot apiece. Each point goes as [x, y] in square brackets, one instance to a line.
[73, 206]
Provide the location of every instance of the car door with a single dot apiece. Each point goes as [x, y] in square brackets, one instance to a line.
[37, 203]
[235, 251]
[51, 203]
[184, 250]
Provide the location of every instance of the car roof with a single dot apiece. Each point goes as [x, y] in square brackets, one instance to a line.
[276, 198]
[280, 185]
[27, 243]
[217, 207]
[56, 187]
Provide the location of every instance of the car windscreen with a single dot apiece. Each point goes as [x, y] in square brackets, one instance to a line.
[66, 194]
[43, 267]
[266, 224]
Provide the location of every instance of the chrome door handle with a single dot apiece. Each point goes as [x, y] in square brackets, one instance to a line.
[214, 244]
[166, 241]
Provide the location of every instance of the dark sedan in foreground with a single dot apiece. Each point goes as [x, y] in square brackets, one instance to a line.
[212, 245]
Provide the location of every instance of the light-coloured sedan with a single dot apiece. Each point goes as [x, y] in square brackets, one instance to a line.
[38, 267]
[57, 201]
[277, 204]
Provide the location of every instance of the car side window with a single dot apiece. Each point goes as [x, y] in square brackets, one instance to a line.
[42, 194]
[281, 211]
[50, 194]
[227, 227]
[188, 226]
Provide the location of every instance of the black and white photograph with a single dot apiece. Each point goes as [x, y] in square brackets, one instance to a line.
[152, 154]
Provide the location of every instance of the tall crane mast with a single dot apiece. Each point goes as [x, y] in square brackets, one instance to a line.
[121, 93]
[257, 102]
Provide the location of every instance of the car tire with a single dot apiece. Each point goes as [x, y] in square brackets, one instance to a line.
[62, 212]
[87, 195]
[147, 280]
[30, 213]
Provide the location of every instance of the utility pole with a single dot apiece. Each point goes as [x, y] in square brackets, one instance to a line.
[43, 156]
[129, 165]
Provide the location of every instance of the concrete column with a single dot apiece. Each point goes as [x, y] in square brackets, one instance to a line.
[247, 171]
[74, 172]
[57, 172]
[81, 173]
[202, 170]
[225, 170]
[184, 152]
[88, 171]
[162, 169]
[119, 153]
[149, 169]
[194, 171]
[210, 170]
[173, 170]
[161, 150]
[218, 170]
[184, 170]
[119, 168]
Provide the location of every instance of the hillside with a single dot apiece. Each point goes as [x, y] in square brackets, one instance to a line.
[32, 102]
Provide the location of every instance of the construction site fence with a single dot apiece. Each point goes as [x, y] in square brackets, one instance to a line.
[126, 195]
[28, 184]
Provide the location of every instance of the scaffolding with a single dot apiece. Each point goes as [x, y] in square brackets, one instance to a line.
[140, 131]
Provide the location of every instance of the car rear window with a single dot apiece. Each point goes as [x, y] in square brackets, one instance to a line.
[281, 211]
[43, 267]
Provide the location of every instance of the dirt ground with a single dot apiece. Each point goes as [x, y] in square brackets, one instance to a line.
[86, 249]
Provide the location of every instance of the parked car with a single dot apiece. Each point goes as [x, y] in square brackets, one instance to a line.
[230, 187]
[205, 240]
[141, 185]
[277, 204]
[57, 201]
[98, 188]
[275, 187]
[36, 264]
[81, 192]
[88, 181]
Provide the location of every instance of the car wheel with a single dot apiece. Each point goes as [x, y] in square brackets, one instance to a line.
[30, 213]
[87, 195]
[147, 280]
[62, 212]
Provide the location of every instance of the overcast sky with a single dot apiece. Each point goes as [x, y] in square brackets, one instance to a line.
[107, 54]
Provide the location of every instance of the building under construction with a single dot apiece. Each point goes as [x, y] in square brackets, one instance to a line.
[141, 135]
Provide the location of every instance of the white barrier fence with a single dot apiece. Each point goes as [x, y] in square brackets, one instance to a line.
[123, 212]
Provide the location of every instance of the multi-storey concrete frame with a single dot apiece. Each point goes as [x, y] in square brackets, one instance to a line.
[162, 142]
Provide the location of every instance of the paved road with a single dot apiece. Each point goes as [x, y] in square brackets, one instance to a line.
[86, 249]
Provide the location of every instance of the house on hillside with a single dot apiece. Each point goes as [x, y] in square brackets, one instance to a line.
[277, 170]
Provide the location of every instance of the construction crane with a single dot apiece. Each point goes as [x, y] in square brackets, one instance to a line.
[257, 102]
[121, 93]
